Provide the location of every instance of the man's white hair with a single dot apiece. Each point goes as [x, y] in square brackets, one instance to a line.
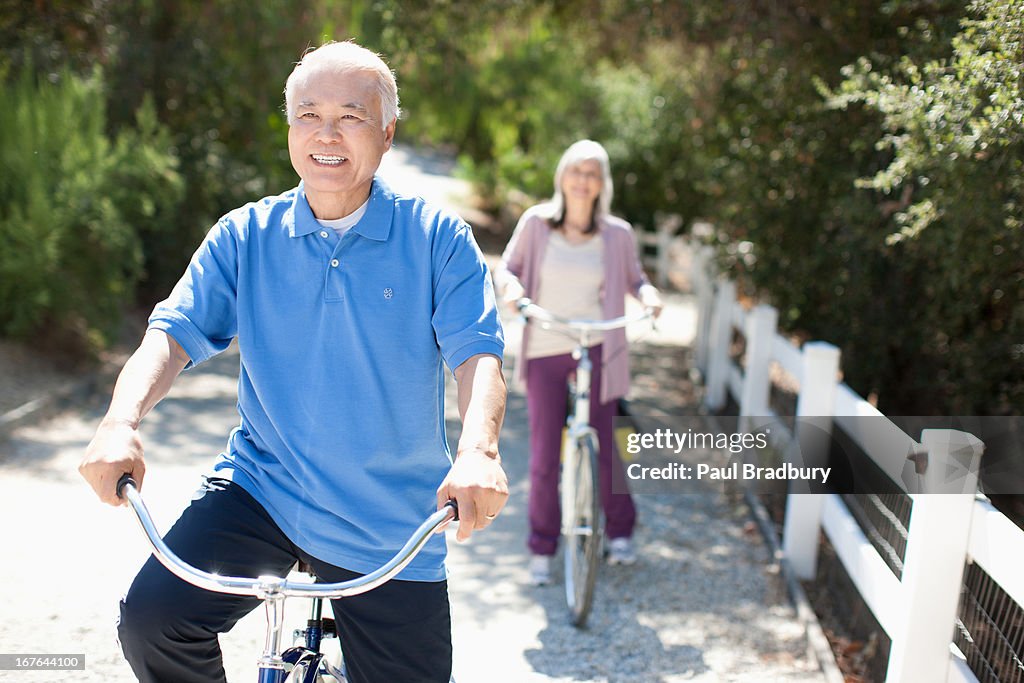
[341, 57]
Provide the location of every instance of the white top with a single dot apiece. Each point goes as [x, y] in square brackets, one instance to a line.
[571, 277]
[341, 225]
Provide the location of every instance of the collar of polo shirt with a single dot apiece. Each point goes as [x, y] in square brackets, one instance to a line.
[375, 224]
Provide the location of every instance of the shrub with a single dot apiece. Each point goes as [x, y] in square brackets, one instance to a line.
[70, 204]
[954, 189]
[653, 122]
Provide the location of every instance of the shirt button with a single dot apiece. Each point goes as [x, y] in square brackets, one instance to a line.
[323, 233]
[334, 263]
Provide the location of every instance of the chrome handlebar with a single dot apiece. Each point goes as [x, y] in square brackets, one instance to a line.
[266, 586]
[531, 310]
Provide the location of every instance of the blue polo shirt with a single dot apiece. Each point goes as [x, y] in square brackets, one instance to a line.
[343, 344]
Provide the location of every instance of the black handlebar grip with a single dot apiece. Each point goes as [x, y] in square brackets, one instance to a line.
[123, 481]
[454, 506]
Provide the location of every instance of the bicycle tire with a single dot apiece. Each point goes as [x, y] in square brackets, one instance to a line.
[582, 536]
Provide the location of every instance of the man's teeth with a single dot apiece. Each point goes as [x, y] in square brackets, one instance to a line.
[329, 159]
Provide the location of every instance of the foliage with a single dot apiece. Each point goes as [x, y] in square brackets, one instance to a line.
[926, 322]
[861, 160]
[496, 81]
[653, 124]
[954, 192]
[215, 72]
[50, 35]
[70, 200]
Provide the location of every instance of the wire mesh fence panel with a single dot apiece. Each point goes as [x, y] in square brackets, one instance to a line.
[885, 520]
[881, 509]
[990, 629]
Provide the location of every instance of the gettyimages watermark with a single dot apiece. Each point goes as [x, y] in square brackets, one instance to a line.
[876, 454]
[669, 441]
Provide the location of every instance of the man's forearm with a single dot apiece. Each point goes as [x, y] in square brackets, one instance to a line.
[116, 448]
[477, 480]
[482, 393]
[146, 378]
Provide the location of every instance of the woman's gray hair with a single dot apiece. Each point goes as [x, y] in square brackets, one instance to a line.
[340, 57]
[583, 150]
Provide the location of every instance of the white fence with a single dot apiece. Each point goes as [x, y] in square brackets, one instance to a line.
[917, 609]
[657, 247]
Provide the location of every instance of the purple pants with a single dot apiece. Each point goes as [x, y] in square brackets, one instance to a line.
[546, 396]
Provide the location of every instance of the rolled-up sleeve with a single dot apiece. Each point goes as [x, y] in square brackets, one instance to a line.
[200, 313]
[465, 316]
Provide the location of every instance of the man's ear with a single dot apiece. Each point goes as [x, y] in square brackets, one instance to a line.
[389, 133]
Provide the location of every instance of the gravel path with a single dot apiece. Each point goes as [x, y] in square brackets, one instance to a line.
[703, 604]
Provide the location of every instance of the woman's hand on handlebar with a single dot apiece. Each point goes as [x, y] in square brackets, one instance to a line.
[651, 301]
[512, 295]
[115, 450]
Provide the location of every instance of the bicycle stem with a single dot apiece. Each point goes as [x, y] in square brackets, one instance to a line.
[274, 606]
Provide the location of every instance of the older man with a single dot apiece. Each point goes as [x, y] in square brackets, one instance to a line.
[346, 300]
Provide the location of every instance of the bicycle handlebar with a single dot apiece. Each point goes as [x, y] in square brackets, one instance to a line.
[531, 310]
[264, 586]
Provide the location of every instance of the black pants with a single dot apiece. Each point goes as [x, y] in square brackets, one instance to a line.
[168, 629]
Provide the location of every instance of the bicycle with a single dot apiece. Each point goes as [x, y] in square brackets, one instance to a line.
[299, 664]
[581, 528]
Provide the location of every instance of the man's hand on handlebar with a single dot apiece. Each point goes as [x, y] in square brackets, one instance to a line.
[115, 450]
[479, 485]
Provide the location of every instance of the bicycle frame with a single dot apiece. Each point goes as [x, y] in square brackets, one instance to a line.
[578, 425]
[274, 590]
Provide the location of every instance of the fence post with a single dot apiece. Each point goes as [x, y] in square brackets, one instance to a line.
[703, 283]
[702, 267]
[814, 409]
[667, 225]
[760, 331]
[719, 342]
[934, 564]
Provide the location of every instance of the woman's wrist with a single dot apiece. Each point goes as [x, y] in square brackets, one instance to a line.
[513, 292]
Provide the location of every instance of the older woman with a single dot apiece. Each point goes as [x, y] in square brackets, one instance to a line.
[571, 256]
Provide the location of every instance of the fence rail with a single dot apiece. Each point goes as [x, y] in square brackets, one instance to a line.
[922, 601]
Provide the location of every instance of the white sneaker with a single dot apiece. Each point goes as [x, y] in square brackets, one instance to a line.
[540, 570]
[621, 551]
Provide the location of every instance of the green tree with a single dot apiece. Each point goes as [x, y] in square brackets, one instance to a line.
[954, 189]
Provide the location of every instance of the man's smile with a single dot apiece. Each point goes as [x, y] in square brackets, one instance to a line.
[328, 159]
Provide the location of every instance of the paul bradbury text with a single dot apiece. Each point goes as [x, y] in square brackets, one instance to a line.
[731, 472]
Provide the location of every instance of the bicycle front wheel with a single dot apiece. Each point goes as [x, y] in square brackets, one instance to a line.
[583, 531]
